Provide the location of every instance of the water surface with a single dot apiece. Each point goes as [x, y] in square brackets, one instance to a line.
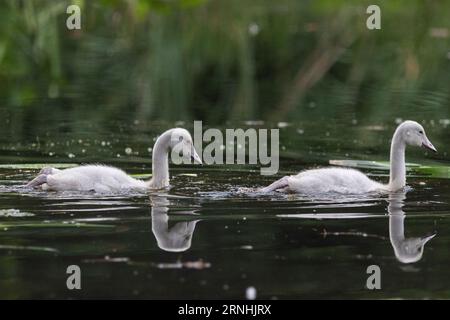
[210, 236]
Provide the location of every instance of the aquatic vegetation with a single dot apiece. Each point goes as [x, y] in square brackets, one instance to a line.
[211, 60]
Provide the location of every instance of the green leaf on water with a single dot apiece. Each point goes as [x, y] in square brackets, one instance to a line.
[148, 176]
[53, 225]
[141, 175]
[365, 164]
[434, 171]
[28, 248]
[429, 171]
[37, 166]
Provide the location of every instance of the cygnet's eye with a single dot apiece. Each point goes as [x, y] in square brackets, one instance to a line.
[420, 131]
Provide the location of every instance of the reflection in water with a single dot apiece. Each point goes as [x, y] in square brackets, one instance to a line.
[175, 239]
[407, 250]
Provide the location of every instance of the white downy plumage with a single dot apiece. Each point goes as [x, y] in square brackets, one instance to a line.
[351, 181]
[104, 179]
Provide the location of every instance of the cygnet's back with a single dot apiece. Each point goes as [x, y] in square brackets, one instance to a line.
[92, 178]
[337, 180]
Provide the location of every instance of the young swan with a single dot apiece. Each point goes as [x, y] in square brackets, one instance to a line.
[340, 180]
[104, 179]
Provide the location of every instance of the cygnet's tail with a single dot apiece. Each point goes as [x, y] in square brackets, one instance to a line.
[279, 184]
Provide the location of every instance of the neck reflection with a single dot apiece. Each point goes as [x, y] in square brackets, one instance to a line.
[177, 238]
[407, 250]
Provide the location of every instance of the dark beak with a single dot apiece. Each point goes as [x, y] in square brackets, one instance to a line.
[429, 146]
[195, 160]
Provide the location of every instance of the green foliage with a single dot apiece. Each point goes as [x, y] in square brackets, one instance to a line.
[225, 60]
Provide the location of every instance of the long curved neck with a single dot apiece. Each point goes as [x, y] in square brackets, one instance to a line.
[397, 177]
[397, 229]
[160, 162]
[397, 223]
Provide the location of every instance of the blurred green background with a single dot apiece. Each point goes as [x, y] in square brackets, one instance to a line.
[220, 61]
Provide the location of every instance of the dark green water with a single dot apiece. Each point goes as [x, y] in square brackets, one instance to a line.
[227, 239]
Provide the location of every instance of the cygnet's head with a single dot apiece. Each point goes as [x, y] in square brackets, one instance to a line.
[182, 147]
[176, 239]
[414, 135]
[411, 250]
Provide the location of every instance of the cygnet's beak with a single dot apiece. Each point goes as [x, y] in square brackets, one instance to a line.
[195, 157]
[428, 145]
[426, 239]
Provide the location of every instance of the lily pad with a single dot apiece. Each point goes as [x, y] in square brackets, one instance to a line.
[28, 248]
[141, 175]
[37, 166]
[434, 171]
[415, 168]
[365, 164]
[188, 174]
[53, 225]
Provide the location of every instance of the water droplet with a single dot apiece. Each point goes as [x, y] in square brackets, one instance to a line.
[253, 29]
[250, 293]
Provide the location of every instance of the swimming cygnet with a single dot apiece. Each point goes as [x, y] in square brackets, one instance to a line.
[351, 181]
[104, 179]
